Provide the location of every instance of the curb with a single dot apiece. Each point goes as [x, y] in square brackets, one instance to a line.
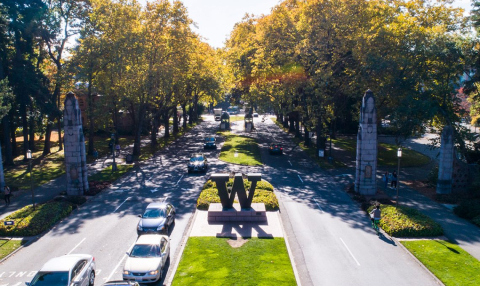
[178, 254]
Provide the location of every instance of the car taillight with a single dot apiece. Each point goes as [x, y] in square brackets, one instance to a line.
[281, 148]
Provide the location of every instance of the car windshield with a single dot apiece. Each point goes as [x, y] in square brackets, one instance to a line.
[196, 159]
[145, 250]
[209, 139]
[154, 213]
[50, 279]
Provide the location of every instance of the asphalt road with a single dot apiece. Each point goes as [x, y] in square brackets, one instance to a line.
[331, 239]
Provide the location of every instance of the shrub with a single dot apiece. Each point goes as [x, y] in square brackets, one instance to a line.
[262, 185]
[29, 222]
[207, 196]
[407, 222]
[476, 220]
[268, 198]
[433, 176]
[76, 200]
[468, 209]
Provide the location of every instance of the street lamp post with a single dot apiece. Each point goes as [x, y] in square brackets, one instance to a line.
[114, 165]
[399, 155]
[330, 158]
[29, 157]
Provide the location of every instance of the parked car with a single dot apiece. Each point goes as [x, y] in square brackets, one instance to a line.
[66, 270]
[198, 163]
[157, 218]
[255, 114]
[147, 258]
[121, 283]
[210, 143]
[276, 149]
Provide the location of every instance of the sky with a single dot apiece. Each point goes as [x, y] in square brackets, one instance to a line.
[215, 18]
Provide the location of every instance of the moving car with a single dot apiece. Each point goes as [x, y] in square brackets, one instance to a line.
[121, 283]
[157, 218]
[147, 258]
[209, 143]
[276, 149]
[255, 114]
[198, 163]
[66, 270]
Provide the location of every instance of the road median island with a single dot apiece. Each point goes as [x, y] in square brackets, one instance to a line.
[240, 150]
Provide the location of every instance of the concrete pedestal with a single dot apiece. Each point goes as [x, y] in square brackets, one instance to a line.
[257, 213]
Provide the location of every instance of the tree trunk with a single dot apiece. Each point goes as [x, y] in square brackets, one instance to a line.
[184, 108]
[306, 137]
[13, 136]
[320, 135]
[23, 112]
[59, 128]
[298, 133]
[138, 132]
[190, 115]
[166, 122]
[195, 107]
[175, 121]
[91, 125]
[7, 144]
[154, 131]
[48, 134]
[291, 119]
[31, 139]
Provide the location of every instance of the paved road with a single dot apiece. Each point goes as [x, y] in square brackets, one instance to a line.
[106, 226]
[331, 238]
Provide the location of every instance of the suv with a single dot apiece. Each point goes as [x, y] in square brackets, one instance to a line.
[209, 143]
[70, 269]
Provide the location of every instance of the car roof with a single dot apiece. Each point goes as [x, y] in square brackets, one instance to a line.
[197, 155]
[119, 282]
[157, 205]
[150, 238]
[64, 263]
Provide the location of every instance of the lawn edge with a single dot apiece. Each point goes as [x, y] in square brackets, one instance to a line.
[397, 241]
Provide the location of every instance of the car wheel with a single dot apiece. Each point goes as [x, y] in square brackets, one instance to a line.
[166, 229]
[91, 278]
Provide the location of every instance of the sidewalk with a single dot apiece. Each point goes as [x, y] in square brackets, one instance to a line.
[53, 188]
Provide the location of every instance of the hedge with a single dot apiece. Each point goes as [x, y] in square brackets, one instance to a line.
[468, 209]
[30, 222]
[407, 222]
[263, 194]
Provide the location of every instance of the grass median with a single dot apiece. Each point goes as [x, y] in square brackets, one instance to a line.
[449, 262]
[240, 150]
[8, 246]
[213, 261]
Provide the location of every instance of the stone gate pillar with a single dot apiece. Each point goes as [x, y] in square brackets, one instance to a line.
[366, 163]
[445, 168]
[74, 142]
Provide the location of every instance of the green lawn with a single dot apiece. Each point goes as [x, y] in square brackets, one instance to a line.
[212, 261]
[450, 263]
[234, 118]
[9, 246]
[387, 153]
[246, 148]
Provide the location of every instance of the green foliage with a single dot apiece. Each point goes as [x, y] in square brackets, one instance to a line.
[263, 194]
[468, 209]
[76, 200]
[407, 222]
[30, 222]
[476, 220]
[8, 246]
[433, 176]
[449, 262]
[212, 261]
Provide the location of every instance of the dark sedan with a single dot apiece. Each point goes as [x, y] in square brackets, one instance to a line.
[198, 163]
[157, 218]
[276, 149]
[210, 143]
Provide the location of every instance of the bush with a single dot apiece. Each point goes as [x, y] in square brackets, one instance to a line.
[29, 222]
[263, 194]
[433, 176]
[476, 220]
[468, 209]
[407, 222]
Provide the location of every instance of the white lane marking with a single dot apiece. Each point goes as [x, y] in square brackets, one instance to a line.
[77, 245]
[154, 190]
[165, 198]
[318, 205]
[179, 180]
[121, 204]
[300, 178]
[115, 269]
[290, 163]
[349, 251]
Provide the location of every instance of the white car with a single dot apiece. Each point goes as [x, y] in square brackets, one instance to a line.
[146, 260]
[67, 270]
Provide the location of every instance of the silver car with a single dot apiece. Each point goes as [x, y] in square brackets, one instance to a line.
[146, 260]
[157, 218]
[67, 270]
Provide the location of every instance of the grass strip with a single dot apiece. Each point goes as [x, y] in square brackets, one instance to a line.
[212, 261]
[8, 246]
[107, 174]
[246, 148]
[449, 262]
